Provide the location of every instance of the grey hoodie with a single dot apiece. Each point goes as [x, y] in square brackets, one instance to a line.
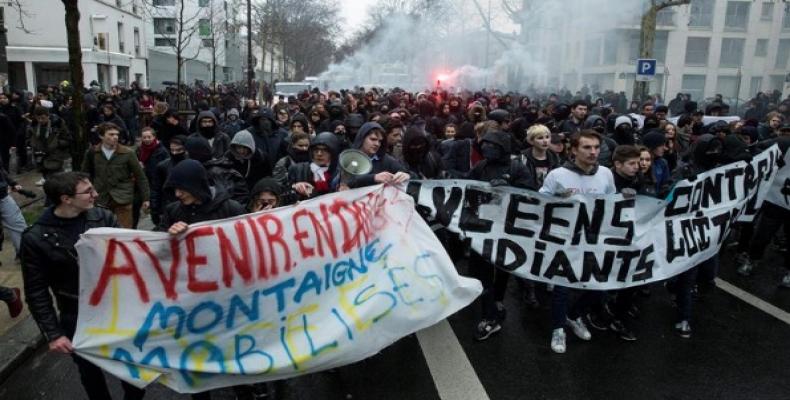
[243, 138]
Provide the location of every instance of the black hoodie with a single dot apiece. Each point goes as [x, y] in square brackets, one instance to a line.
[425, 163]
[504, 168]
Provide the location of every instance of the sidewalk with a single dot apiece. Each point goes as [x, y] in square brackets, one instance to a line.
[19, 337]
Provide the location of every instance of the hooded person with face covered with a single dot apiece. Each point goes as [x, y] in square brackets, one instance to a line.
[220, 172]
[420, 160]
[270, 139]
[208, 128]
[706, 155]
[298, 152]
[372, 141]
[160, 196]
[498, 169]
[248, 161]
[232, 123]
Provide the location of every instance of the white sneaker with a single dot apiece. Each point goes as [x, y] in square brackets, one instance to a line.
[558, 340]
[40, 182]
[579, 329]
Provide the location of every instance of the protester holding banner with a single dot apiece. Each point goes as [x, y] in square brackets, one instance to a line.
[386, 169]
[498, 169]
[580, 176]
[319, 175]
[49, 262]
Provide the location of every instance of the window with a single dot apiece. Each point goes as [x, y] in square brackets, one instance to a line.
[204, 27]
[666, 17]
[101, 41]
[767, 11]
[137, 41]
[610, 49]
[164, 42]
[207, 43]
[737, 15]
[701, 13]
[727, 86]
[697, 51]
[203, 3]
[782, 54]
[761, 49]
[161, 3]
[731, 52]
[660, 46]
[776, 82]
[164, 26]
[121, 44]
[756, 84]
[694, 85]
[592, 52]
[786, 19]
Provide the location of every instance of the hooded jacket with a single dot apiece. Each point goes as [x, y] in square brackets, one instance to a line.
[270, 140]
[706, 155]
[220, 142]
[510, 170]
[272, 186]
[426, 164]
[381, 160]
[230, 126]
[220, 171]
[215, 203]
[254, 166]
[301, 172]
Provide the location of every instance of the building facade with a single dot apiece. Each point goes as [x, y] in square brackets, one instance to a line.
[735, 48]
[112, 37]
[209, 42]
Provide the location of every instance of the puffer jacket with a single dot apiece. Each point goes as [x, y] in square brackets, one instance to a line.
[50, 261]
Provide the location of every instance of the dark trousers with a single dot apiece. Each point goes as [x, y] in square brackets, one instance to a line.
[494, 282]
[21, 150]
[92, 377]
[703, 273]
[772, 217]
[560, 297]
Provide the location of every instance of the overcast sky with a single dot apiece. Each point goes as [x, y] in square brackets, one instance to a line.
[355, 12]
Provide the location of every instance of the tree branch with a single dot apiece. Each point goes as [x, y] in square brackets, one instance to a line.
[671, 3]
[487, 24]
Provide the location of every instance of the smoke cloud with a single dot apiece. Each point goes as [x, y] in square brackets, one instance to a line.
[455, 49]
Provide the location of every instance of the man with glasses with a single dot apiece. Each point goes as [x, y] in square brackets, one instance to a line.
[49, 261]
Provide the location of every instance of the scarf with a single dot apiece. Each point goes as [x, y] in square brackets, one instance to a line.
[147, 150]
[320, 178]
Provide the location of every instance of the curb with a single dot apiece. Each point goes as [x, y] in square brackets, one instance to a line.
[17, 345]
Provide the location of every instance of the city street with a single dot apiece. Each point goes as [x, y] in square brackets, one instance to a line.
[737, 352]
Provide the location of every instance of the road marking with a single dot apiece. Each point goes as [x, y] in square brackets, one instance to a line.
[452, 373]
[755, 301]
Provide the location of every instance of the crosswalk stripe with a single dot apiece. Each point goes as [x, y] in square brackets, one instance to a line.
[753, 300]
[452, 373]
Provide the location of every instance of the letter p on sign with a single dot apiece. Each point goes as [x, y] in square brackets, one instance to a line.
[645, 69]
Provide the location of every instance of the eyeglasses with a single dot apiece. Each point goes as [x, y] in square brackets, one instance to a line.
[89, 191]
[320, 150]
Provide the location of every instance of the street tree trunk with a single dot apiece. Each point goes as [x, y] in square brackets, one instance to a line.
[80, 144]
[179, 55]
[647, 39]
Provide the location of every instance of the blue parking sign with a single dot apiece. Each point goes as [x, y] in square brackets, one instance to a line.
[645, 69]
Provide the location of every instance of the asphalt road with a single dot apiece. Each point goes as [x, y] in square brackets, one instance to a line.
[737, 352]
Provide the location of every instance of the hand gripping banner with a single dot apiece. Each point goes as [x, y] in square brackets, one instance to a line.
[602, 242]
[264, 296]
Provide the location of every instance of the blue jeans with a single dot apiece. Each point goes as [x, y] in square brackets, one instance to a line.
[704, 272]
[13, 220]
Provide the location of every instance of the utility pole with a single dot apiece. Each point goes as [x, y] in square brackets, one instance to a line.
[250, 71]
[647, 38]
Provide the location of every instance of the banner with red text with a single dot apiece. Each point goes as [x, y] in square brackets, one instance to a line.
[264, 296]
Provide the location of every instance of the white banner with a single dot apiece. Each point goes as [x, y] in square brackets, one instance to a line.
[599, 242]
[780, 191]
[264, 296]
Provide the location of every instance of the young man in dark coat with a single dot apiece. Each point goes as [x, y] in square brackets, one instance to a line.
[386, 169]
[49, 262]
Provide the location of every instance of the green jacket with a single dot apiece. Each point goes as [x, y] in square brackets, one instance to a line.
[115, 179]
[53, 141]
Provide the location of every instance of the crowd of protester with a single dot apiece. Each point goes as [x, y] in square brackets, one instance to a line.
[234, 156]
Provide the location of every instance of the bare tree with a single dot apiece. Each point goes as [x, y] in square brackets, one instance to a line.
[187, 29]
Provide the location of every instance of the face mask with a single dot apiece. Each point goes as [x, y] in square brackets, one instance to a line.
[207, 131]
[300, 155]
[491, 152]
[177, 158]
